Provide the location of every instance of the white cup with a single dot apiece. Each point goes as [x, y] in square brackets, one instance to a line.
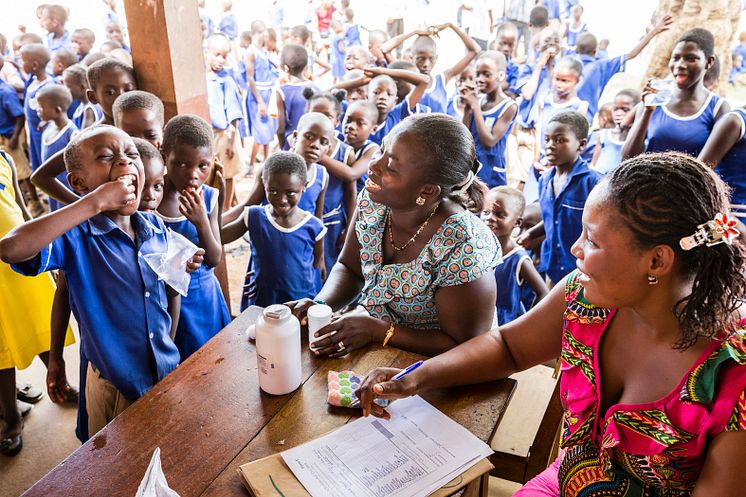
[319, 315]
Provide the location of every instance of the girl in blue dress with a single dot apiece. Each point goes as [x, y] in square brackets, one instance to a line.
[337, 53]
[490, 118]
[685, 122]
[286, 241]
[261, 75]
[607, 153]
[190, 208]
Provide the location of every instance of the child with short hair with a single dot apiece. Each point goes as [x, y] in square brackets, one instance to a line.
[563, 191]
[380, 58]
[228, 25]
[81, 42]
[337, 50]
[563, 98]
[107, 79]
[490, 118]
[99, 242]
[353, 82]
[424, 56]
[291, 103]
[261, 75]
[140, 114]
[503, 213]
[53, 102]
[506, 36]
[360, 121]
[464, 84]
[608, 152]
[53, 19]
[286, 241]
[574, 27]
[61, 60]
[190, 208]
[224, 101]
[114, 33]
[35, 58]
[352, 29]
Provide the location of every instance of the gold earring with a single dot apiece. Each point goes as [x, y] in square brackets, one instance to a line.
[420, 201]
[652, 279]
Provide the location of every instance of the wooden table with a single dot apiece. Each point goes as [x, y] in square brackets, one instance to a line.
[209, 417]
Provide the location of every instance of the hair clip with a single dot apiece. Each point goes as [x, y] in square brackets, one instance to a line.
[722, 229]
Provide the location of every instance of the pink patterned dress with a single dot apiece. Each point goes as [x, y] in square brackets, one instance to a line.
[654, 449]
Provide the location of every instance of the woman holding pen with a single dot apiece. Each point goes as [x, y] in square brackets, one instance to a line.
[650, 331]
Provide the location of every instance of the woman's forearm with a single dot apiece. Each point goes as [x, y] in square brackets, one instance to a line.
[341, 287]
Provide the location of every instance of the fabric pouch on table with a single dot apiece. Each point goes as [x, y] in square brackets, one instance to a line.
[341, 386]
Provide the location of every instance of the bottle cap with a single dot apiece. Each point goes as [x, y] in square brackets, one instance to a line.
[319, 311]
[277, 312]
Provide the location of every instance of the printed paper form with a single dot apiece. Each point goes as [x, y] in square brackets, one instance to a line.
[413, 454]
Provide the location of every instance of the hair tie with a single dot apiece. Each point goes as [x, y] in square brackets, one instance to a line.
[462, 187]
[722, 229]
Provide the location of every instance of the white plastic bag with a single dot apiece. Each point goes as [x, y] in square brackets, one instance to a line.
[171, 266]
[154, 482]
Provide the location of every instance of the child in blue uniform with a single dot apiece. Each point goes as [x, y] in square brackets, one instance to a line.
[291, 101]
[574, 27]
[503, 213]
[490, 118]
[359, 123]
[261, 75]
[74, 77]
[464, 84]
[35, 58]
[337, 50]
[424, 56]
[562, 194]
[352, 29]
[506, 36]
[140, 114]
[725, 150]
[53, 102]
[608, 151]
[340, 198]
[286, 241]
[685, 122]
[191, 208]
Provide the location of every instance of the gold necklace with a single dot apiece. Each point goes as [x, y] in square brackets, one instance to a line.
[414, 237]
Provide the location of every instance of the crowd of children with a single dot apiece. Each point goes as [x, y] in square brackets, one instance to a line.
[78, 129]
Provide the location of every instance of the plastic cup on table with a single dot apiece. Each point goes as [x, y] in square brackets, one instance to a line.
[319, 315]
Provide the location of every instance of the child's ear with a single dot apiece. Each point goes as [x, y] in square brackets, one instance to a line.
[581, 144]
[501, 76]
[76, 182]
[91, 96]
[519, 222]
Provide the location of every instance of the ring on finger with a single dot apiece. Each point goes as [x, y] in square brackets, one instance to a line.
[341, 345]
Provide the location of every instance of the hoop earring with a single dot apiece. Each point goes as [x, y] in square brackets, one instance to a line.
[420, 201]
[652, 279]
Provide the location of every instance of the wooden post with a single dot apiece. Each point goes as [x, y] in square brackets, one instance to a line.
[166, 42]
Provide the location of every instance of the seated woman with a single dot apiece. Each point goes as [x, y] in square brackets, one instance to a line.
[423, 262]
[653, 356]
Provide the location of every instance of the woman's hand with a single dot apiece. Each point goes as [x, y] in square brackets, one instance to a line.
[299, 308]
[378, 385]
[348, 332]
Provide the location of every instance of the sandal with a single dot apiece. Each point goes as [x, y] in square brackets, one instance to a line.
[28, 393]
[11, 446]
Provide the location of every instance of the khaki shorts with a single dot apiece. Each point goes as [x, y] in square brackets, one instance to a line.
[18, 155]
[232, 167]
[527, 152]
[103, 402]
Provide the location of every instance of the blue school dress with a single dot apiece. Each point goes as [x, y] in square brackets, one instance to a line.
[265, 74]
[33, 121]
[295, 105]
[611, 152]
[203, 311]
[400, 112]
[731, 169]
[352, 34]
[573, 34]
[492, 158]
[511, 76]
[337, 55]
[436, 96]
[79, 115]
[282, 257]
[688, 134]
[54, 140]
[359, 153]
[335, 213]
[510, 285]
[528, 110]
[453, 110]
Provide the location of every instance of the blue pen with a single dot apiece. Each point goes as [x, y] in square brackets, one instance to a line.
[398, 376]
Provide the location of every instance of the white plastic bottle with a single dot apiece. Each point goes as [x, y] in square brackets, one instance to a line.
[278, 350]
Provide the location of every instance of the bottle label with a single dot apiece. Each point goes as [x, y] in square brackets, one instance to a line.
[263, 363]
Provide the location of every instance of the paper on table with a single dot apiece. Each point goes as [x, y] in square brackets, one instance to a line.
[413, 454]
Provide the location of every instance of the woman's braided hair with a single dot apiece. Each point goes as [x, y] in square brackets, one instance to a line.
[664, 197]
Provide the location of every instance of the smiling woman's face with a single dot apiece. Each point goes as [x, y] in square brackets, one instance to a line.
[395, 178]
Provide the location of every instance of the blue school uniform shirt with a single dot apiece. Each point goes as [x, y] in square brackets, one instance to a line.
[453, 110]
[400, 112]
[203, 311]
[295, 105]
[228, 26]
[573, 34]
[119, 302]
[352, 34]
[596, 75]
[562, 214]
[611, 152]
[511, 75]
[740, 50]
[337, 55]
[33, 121]
[528, 109]
[688, 134]
[223, 98]
[54, 140]
[492, 158]
[10, 109]
[731, 167]
[282, 257]
[63, 41]
[510, 285]
[436, 97]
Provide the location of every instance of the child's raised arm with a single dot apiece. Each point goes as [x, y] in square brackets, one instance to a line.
[472, 50]
[233, 230]
[192, 206]
[488, 136]
[352, 171]
[394, 42]
[255, 198]
[529, 89]
[663, 25]
[24, 242]
[421, 81]
[45, 177]
[351, 83]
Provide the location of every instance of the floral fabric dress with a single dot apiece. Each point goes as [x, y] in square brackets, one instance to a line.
[462, 250]
[640, 450]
